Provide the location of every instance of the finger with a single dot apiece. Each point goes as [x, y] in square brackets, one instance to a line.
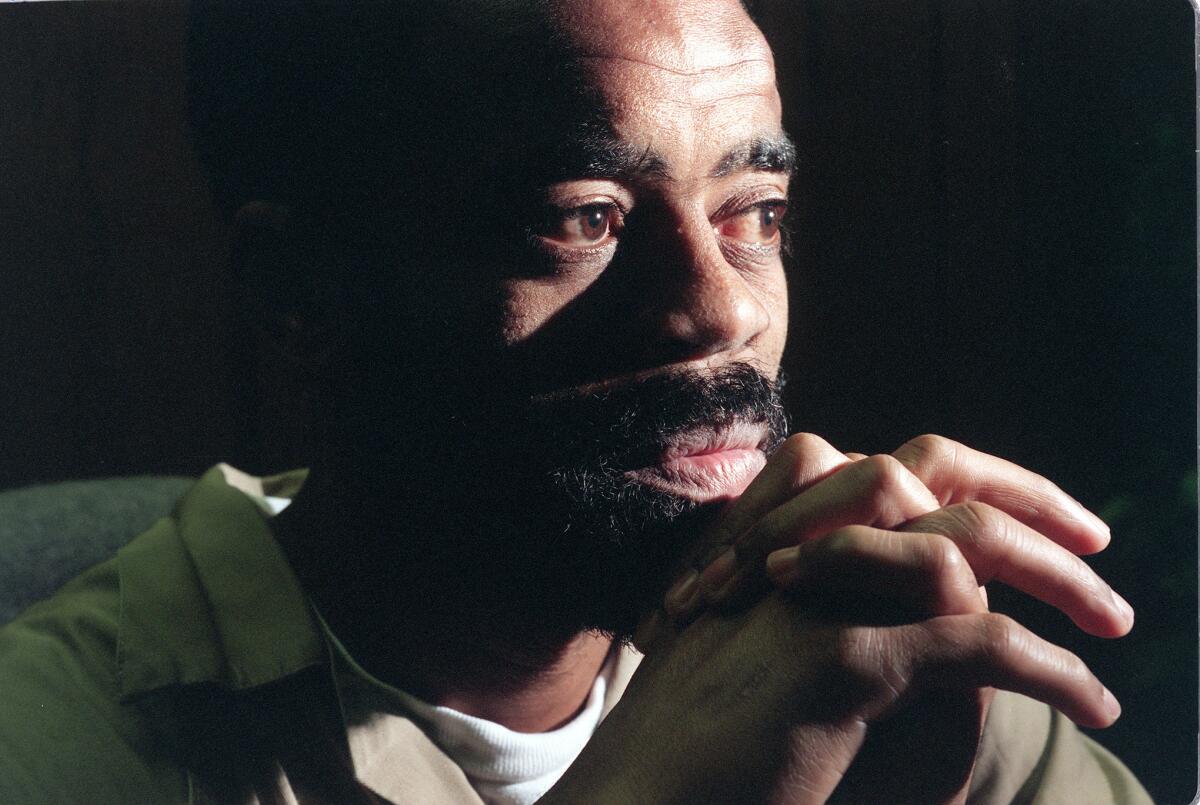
[876, 491]
[802, 460]
[994, 650]
[879, 576]
[651, 631]
[956, 473]
[998, 546]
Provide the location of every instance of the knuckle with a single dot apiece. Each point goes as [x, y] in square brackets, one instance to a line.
[926, 452]
[983, 532]
[949, 577]
[799, 445]
[886, 473]
[941, 557]
[894, 493]
[976, 521]
[968, 516]
[803, 457]
[1002, 638]
[851, 652]
[864, 670]
[929, 446]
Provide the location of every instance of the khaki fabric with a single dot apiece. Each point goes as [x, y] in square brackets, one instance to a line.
[190, 668]
[1031, 753]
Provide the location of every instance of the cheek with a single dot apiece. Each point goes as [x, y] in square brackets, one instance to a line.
[775, 299]
[527, 306]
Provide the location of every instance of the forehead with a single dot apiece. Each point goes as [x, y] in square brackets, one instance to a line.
[677, 78]
[684, 36]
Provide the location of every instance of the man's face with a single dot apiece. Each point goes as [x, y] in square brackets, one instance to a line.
[661, 255]
[567, 440]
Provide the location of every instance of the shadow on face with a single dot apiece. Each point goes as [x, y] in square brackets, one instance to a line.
[528, 263]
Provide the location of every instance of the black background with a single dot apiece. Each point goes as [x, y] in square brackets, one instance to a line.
[995, 239]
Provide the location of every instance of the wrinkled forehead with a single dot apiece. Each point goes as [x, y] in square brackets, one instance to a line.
[687, 38]
[654, 66]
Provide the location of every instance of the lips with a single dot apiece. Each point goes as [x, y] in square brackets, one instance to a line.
[706, 464]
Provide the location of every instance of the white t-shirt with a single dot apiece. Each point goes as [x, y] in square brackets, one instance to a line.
[503, 766]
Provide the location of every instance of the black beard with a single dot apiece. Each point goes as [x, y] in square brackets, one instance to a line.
[568, 538]
[520, 511]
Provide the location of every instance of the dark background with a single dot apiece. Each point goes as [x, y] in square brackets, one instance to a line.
[995, 239]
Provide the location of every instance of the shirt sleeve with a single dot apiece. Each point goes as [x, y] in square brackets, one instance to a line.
[1031, 753]
[63, 735]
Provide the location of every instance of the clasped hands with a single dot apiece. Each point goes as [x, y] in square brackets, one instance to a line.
[836, 615]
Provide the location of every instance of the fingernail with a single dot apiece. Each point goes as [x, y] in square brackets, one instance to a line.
[1088, 518]
[783, 562]
[717, 574]
[1099, 524]
[683, 593]
[1111, 706]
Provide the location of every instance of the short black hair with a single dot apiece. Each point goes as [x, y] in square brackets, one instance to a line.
[331, 104]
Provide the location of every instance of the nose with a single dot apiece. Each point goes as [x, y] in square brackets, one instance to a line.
[702, 306]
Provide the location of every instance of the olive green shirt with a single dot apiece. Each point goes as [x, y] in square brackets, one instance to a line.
[190, 668]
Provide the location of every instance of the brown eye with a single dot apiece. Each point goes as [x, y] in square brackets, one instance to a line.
[768, 220]
[758, 224]
[593, 222]
[584, 226]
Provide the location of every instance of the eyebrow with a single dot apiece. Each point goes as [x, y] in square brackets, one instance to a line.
[776, 153]
[601, 155]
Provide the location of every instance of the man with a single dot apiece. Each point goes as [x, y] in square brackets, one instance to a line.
[538, 269]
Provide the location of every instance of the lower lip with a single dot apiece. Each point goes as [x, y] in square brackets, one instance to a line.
[705, 477]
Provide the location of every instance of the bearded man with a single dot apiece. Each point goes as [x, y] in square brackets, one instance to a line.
[533, 252]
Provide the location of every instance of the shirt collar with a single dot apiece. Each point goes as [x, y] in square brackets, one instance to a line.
[207, 595]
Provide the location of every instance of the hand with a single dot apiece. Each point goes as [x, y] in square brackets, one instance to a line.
[1008, 523]
[775, 702]
[809, 488]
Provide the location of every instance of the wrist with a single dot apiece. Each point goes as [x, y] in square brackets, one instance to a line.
[612, 771]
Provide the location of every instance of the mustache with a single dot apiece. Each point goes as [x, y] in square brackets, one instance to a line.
[630, 425]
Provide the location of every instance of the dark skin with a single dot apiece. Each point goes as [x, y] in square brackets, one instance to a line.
[877, 563]
[507, 678]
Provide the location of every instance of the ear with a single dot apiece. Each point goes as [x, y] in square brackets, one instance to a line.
[292, 324]
[283, 289]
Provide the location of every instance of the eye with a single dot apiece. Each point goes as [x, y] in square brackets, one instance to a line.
[758, 223]
[586, 225]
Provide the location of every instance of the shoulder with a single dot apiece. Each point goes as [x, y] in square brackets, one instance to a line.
[65, 734]
[1032, 753]
[176, 665]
